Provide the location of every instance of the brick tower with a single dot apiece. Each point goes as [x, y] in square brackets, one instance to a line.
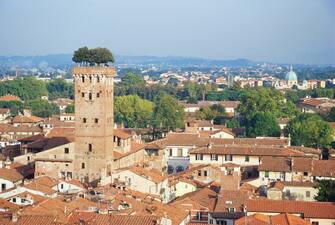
[94, 122]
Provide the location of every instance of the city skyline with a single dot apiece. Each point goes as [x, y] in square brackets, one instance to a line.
[281, 32]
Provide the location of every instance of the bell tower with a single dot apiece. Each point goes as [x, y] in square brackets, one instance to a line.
[94, 122]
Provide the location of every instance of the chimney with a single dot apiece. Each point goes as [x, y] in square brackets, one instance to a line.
[81, 221]
[15, 217]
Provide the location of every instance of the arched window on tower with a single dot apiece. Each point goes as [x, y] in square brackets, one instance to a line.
[98, 79]
[83, 79]
[90, 147]
[90, 79]
[90, 96]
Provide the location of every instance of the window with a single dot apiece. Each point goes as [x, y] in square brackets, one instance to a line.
[170, 152]
[22, 200]
[205, 173]
[231, 210]
[266, 174]
[98, 95]
[66, 150]
[305, 174]
[199, 173]
[90, 79]
[28, 158]
[14, 199]
[83, 94]
[308, 194]
[90, 147]
[246, 159]
[90, 96]
[315, 223]
[62, 186]
[96, 120]
[199, 157]
[83, 79]
[83, 165]
[199, 216]
[180, 152]
[3, 187]
[214, 157]
[84, 120]
[98, 79]
[228, 158]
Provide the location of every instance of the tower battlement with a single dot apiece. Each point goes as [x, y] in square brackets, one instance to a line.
[93, 70]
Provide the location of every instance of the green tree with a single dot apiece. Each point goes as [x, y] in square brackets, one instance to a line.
[82, 55]
[93, 56]
[326, 191]
[331, 115]
[133, 111]
[59, 88]
[26, 88]
[232, 123]
[309, 130]
[69, 108]
[42, 108]
[263, 124]
[14, 106]
[132, 79]
[168, 113]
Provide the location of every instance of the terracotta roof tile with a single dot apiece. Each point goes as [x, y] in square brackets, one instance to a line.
[10, 174]
[246, 150]
[9, 98]
[280, 219]
[325, 210]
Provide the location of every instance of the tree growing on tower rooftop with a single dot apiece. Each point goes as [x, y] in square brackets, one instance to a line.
[99, 56]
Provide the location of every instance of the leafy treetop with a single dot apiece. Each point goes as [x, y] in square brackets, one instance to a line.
[93, 56]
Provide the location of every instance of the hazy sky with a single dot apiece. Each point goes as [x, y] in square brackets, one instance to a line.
[290, 31]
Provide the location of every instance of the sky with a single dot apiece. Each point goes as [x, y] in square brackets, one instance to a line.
[285, 31]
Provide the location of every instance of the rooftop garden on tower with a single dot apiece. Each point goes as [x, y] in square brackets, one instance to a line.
[93, 57]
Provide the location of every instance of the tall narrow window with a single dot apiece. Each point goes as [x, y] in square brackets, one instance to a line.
[96, 120]
[84, 120]
[83, 79]
[90, 96]
[98, 95]
[90, 79]
[83, 165]
[98, 79]
[90, 147]
[82, 94]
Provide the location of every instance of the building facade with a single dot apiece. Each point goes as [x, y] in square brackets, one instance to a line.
[94, 122]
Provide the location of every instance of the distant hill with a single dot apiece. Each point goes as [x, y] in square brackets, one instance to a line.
[64, 61]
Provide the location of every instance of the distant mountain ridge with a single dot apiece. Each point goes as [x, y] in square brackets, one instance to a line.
[65, 61]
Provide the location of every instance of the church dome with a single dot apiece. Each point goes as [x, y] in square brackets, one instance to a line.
[291, 75]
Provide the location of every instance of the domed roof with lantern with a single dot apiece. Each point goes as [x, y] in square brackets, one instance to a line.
[291, 75]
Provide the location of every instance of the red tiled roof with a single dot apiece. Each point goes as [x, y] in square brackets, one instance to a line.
[9, 98]
[324, 168]
[10, 174]
[121, 134]
[246, 150]
[34, 220]
[27, 119]
[281, 219]
[103, 219]
[4, 111]
[324, 210]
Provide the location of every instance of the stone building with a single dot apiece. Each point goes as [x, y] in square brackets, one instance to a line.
[94, 122]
